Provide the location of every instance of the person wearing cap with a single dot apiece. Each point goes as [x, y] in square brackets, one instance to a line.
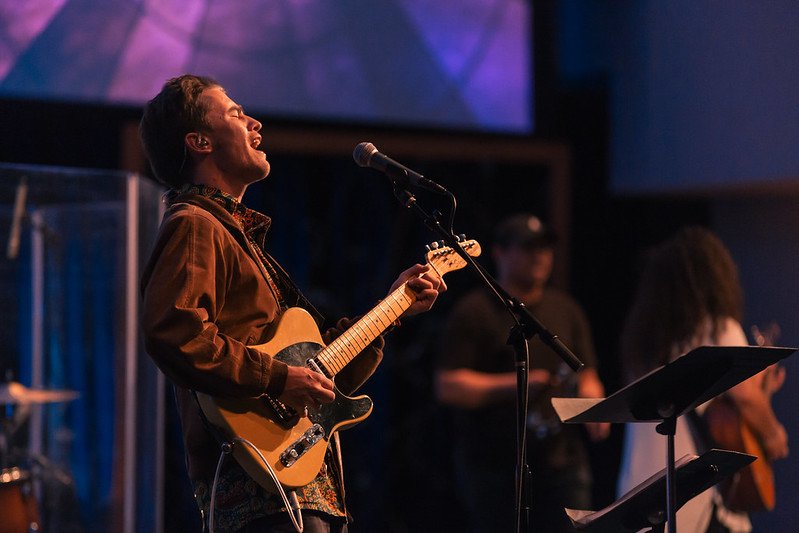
[476, 378]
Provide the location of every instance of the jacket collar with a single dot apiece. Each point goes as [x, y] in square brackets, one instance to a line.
[254, 224]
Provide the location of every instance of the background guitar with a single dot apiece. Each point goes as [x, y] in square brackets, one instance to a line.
[752, 488]
[542, 421]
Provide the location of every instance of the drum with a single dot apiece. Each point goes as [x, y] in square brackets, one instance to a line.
[20, 513]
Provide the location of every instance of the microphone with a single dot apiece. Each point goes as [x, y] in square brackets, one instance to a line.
[366, 155]
[16, 221]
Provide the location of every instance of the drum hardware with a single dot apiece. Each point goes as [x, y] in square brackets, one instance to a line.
[20, 512]
[17, 498]
[12, 393]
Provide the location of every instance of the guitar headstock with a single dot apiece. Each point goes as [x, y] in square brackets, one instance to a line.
[766, 336]
[444, 259]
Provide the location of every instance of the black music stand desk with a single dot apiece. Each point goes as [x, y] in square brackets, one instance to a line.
[644, 506]
[669, 392]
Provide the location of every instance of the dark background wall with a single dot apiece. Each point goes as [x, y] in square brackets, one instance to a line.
[339, 231]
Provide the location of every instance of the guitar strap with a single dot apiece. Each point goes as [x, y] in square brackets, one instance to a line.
[288, 285]
[335, 464]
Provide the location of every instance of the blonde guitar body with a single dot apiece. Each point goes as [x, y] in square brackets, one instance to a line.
[751, 488]
[296, 340]
[294, 446]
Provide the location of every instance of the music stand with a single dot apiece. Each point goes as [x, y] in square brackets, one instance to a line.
[643, 506]
[669, 392]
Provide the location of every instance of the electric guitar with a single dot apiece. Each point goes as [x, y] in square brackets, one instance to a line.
[751, 488]
[294, 446]
[542, 421]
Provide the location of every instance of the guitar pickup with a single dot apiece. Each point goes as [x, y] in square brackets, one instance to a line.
[298, 448]
[283, 415]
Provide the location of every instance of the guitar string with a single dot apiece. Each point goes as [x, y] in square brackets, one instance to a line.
[341, 351]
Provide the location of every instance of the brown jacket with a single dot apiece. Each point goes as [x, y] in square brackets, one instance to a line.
[206, 299]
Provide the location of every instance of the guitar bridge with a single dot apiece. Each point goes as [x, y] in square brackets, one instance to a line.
[298, 448]
[284, 415]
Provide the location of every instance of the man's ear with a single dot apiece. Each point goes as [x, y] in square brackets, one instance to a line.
[197, 142]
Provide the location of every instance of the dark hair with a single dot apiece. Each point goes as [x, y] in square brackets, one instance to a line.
[688, 281]
[167, 118]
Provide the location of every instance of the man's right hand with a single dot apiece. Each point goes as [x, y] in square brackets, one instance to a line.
[306, 388]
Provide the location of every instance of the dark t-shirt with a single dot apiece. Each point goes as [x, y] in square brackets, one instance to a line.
[475, 337]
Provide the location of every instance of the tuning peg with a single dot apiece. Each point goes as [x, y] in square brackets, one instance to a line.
[462, 237]
[435, 245]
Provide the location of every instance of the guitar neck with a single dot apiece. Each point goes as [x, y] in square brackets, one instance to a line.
[341, 351]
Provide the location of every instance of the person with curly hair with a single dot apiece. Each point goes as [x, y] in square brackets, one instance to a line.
[689, 295]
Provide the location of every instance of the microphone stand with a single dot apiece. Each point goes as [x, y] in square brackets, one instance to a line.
[526, 327]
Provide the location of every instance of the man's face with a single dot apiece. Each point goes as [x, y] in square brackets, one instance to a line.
[234, 138]
[525, 266]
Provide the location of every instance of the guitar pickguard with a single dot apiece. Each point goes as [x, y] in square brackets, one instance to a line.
[293, 445]
[343, 412]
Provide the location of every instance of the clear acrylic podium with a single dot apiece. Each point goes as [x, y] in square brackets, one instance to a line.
[73, 242]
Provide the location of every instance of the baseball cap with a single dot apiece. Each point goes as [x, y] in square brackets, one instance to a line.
[525, 230]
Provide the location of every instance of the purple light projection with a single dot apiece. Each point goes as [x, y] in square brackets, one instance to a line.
[462, 64]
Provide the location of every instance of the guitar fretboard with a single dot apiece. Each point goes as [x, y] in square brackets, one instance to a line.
[341, 351]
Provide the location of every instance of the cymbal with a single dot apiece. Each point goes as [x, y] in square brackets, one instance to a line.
[17, 393]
